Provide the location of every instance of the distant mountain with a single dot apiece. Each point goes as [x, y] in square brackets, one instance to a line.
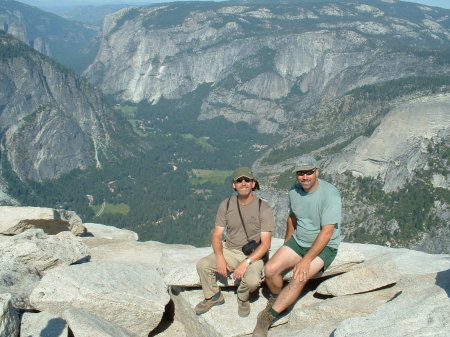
[51, 120]
[71, 43]
[93, 15]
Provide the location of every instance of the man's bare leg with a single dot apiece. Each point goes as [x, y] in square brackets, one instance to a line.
[285, 258]
[292, 291]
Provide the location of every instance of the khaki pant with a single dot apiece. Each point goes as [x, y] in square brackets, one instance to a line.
[252, 279]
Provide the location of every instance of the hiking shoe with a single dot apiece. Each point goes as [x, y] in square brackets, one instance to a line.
[207, 304]
[243, 308]
[263, 322]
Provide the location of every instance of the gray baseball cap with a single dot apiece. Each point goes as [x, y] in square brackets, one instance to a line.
[304, 163]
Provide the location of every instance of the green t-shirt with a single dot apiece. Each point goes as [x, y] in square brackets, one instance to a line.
[256, 219]
[314, 210]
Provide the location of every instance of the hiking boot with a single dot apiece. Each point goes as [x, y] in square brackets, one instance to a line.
[207, 304]
[243, 308]
[263, 322]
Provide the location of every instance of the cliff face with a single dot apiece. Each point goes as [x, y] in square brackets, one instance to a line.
[268, 64]
[51, 120]
[412, 127]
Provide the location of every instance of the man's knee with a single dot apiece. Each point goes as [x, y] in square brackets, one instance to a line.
[203, 264]
[253, 281]
[270, 270]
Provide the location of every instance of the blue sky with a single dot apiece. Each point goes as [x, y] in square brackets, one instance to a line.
[70, 3]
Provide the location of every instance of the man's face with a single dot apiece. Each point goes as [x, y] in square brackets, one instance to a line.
[244, 186]
[308, 179]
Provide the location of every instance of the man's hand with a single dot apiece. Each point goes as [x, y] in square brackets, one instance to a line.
[240, 270]
[222, 267]
[301, 270]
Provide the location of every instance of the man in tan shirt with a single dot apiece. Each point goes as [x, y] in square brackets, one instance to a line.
[243, 217]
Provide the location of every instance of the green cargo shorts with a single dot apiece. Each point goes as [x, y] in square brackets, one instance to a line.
[327, 254]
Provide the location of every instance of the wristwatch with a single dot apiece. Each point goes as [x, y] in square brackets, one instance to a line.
[248, 260]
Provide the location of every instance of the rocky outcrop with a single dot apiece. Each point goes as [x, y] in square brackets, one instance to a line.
[360, 280]
[410, 128]
[130, 295]
[15, 220]
[26, 257]
[419, 309]
[129, 288]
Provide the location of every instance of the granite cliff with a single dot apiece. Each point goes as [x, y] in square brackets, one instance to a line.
[51, 120]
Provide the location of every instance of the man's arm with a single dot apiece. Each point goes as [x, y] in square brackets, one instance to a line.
[291, 222]
[258, 253]
[263, 248]
[301, 270]
[222, 267]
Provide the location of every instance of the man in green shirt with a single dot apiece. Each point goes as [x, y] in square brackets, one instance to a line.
[311, 241]
[243, 217]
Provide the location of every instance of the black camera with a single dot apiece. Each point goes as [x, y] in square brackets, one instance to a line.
[249, 247]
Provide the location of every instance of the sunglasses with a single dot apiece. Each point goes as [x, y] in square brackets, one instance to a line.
[308, 173]
[247, 180]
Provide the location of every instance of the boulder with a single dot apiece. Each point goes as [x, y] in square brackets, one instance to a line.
[130, 295]
[43, 324]
[319, 316]
[347, 258]
[18, 280]
[360, 280]
[9, 319]
[101, 249]
[409, 262]
[84, 324]
[15, 220]
[42, 252]
[219, 321]
[421, 309]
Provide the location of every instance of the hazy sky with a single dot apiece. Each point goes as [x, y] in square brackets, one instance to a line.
[70, 3]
